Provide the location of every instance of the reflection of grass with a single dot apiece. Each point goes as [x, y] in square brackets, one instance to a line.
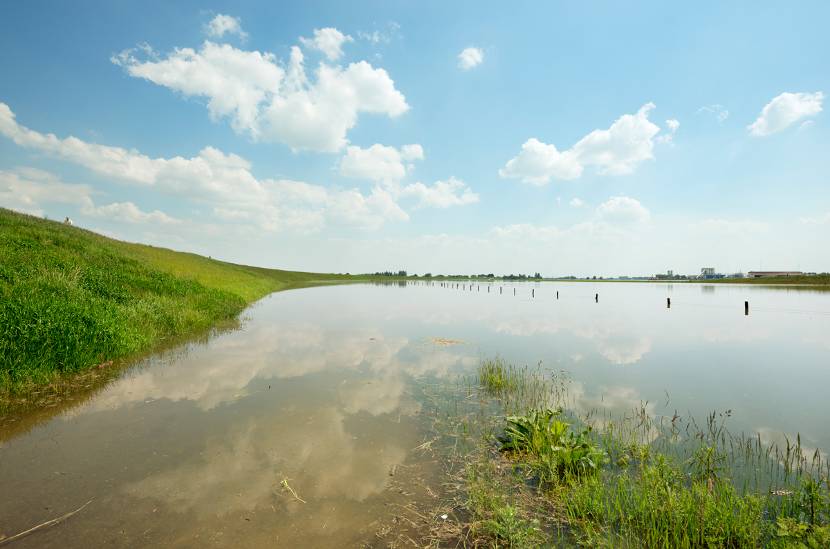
[543, 476]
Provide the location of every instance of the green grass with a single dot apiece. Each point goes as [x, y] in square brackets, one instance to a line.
[71, 299]
[822, 279]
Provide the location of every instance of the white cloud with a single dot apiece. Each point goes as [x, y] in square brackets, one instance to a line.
[329, 41]
[412, 152]
[130, 213]
[622, 209]
[718, 111]
[379, 163]
[270, 101]
[221, 25]
[538, 162]
[615, 151]
[785, 110]
[672, 124]
[819, 220]
[470, 57]
[730, 227]
[222, 182]
[381, 36]
[576, 202]
[28, 190]
[237, 83]
[441, 194]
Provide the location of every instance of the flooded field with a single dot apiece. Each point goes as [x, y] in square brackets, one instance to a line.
[301, 427]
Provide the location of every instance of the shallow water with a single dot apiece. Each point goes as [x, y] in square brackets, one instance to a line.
[322, 387]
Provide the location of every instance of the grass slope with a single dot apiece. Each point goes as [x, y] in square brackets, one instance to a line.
[71, 299]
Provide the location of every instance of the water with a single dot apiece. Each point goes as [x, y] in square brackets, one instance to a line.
[322, 388]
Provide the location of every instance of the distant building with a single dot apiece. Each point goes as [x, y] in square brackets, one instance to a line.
[668, 276]
[708, 273]
[764, 274]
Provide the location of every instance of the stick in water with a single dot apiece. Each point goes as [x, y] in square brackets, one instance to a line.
[46, 524]
[285, 485]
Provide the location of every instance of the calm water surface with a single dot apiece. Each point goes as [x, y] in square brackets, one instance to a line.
[321, 387]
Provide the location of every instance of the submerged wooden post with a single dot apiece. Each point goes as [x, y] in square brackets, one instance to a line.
[557, 294]
[488, 289]
[596, 298]
[514, 291]
[668, 303]
[533, 292]
[746, 308]
[499, 289]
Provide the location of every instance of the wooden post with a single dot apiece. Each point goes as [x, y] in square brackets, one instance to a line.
[557, 294]
[533, 292]
[488, 288]
[746, 308]
[514, 291]
[499, 290]
[596, 298]
[668, 303]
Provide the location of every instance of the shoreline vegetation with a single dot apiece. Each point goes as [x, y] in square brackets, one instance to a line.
[524, 469]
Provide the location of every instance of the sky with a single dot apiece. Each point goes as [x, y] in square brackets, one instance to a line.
[583, 138]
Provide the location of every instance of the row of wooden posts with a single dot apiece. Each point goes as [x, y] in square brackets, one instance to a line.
[533, 293]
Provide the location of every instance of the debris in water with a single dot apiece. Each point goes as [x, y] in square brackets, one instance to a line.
[285, 485]
[445, 342]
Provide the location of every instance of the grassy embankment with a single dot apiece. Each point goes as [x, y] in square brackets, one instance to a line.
[526, 472]
[822, 279]
[71, 299]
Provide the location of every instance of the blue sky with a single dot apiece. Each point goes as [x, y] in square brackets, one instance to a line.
[566, 138]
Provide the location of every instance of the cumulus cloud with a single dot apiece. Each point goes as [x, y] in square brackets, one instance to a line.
[273, 101]
[785, 110]
[470, 57]
[221, 25]
[576, 202]
[222, 182]
[28, 190]
[673, 125]
[718, 111]
[329, 41]
[622, 209]
[615, 151]
[130, 213]
[379, 163]
[441, 194]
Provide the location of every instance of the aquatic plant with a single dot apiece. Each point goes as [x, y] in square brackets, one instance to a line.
[555, 451]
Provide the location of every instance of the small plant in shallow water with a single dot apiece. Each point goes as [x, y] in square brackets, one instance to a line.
[497, 377]
[510, 529]
[555, 450]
